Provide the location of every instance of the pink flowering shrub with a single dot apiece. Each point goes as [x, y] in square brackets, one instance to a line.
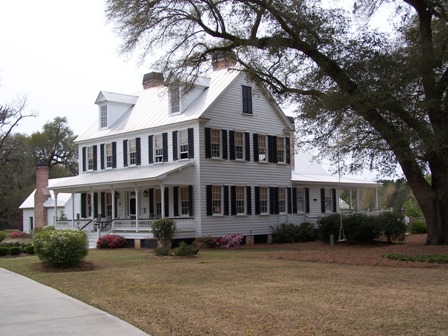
[231, 240]
[111, 241]
[19, 234]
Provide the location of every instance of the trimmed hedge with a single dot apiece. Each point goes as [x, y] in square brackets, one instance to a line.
[4, 251]
[291, 233]
[15, 250]
[3, 235]
[63, 248]
[418, 227]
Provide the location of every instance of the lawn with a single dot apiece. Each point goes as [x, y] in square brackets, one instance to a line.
[253, 292]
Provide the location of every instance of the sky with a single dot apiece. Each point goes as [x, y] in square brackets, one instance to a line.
[61, 54]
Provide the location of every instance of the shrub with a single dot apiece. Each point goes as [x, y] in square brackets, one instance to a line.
[29, 249]
[392, 226]
[111, 241]
[290, 233]
[3, 235]
[418, 227]
[15, 250]
[19, 234]
[4, 251]
[162, 251]
[231, 240]
[63, 248]
[163, 230]
[186, 250]
[206, 242]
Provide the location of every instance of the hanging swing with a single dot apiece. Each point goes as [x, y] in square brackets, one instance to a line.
[341, 237]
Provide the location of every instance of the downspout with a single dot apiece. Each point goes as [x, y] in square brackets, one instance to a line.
[55, 208]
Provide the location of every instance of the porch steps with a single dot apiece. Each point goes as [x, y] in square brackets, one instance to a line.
[93, 237]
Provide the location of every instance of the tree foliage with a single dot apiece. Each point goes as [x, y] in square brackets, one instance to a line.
[370, 98]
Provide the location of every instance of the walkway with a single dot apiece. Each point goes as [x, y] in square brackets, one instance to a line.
[28, 308]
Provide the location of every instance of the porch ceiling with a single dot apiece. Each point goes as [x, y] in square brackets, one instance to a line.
[126, 176]
[328, 180]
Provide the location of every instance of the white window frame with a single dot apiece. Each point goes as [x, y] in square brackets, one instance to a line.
[215, 143]
[184, 201]
[175, 100]
[108, 155]
[217, 200]
[132, 152]
[183, 144]
[240, 201]
[264, 200]
[262, 150]
[89, 158]
[281, 154]
[239, 145]
[158, 148]
[301, 200]
[103, 116]
[282, 200]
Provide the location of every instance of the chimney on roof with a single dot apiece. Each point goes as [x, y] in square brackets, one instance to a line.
[152, 79]
[41, 195]
[223, 60]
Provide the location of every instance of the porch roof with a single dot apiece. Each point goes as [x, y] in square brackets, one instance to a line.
[328, 180]
[134, 174]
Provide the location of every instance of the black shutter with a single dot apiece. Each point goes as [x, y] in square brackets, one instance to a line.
[190, 143]
[322, 200]
[95, 205]
[102, 155]
[255, 140]
[114, 154]
[272, 149]
[248, 200]
[288, 151]
[167, 202]
[289, 198]
[103, 204]
[247, 144]
[139, 152]
[233, 200]
[125, 153]
[208, 143]
[165, 147]
[150, 149]
[208, 192]
[231, 145]
[151, 203]
[176, 201]
[294, 200]
[226, 200]
[175, 155]
[307, 200]
[84, 159]
[224, 144]
[83, 205]
[95, 158]
[333, 198]
[257, 200]
[190, 198]
[273, 200]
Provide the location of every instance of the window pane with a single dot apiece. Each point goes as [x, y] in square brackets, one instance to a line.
[183, 144]
[240, 200]
[158, 148]
[216, 143]
[132, 151]
[216, 199]
[184, 201]
[300, 200]
[262, 147]
[280, 149]
[282, 199]
[264, 200]
[239, 145]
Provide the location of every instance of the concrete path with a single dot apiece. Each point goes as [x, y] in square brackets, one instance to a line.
[28, 308]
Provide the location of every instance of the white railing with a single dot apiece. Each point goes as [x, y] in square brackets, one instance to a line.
[67, 224]
[144, 225]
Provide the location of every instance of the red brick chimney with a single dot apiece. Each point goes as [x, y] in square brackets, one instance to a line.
[41, 195]
[152, 79]
[223, 60]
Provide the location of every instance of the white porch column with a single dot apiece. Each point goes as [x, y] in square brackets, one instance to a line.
[73, 210]
[162, 196]
[114, 196]
[137, 207]
[357, 200]
[55, 208]
[92, 207]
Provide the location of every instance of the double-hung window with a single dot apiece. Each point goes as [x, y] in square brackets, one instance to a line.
[175, 99]
[184, 201]
[109, 155]
[282, 200]
[239, 145]
[158, 148]
[328, 200]
[301, 205]
[264, 200]
[183, 144]
[132, 151]
[281, 155]
[103, 116]
[158, 203]
[108, 204]
[216, 143]
[240, 200]
[262, 152]
[90, 158]
[216, 200]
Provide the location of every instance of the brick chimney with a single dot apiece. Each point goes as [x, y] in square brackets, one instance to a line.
[152, 79]
[41, 195]
[223, 60]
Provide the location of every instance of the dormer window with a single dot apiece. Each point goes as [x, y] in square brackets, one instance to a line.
[175, 100]
[103, 116]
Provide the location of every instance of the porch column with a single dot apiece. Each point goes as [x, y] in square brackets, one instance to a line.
[357, 200]
[137, 207]
[55, 208]
[351, 199]
[73, 210]
[162, 196]
[112, 191]
[376, 198]
[92, 205]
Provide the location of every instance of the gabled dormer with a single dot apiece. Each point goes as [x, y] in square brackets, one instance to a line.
[111, 106]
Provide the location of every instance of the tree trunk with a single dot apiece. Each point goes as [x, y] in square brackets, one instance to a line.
[436, 215]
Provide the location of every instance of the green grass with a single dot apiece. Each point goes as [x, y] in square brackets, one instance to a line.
[437, 259]
[250, 292]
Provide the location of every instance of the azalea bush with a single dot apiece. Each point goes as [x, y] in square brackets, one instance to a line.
[63, 248]
[231, 240]
[19, 234]
[111, 241]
